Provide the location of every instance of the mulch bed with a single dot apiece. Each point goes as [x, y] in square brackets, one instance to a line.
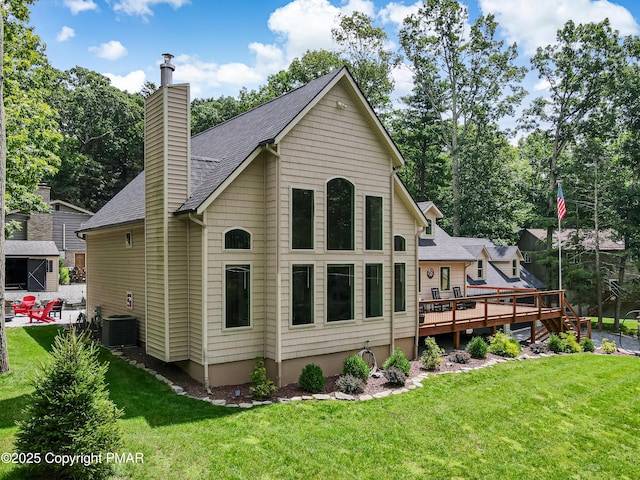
[240, 393]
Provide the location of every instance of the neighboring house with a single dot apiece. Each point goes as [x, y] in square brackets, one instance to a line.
[443, 261]
[283, 233]
[59, 226]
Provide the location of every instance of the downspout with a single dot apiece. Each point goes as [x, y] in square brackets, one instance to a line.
[278, 359]
[393, 265]
[416, 345]
[205, 335]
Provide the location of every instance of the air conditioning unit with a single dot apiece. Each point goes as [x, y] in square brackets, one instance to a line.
[119, 330]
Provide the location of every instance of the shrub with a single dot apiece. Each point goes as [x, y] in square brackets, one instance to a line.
[504, 345]
[399, 361]
[431, 358]
[261, 386]
[608, 346]
[350, 384]
[587, 345]
[460, 357]
[311, 379]
[554, 343]
[70, 412]
[395, 377]
[569, 342]
[357, 367]
[477, 348]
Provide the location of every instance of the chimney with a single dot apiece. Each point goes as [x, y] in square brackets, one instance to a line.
[166, 70]
[167, 143]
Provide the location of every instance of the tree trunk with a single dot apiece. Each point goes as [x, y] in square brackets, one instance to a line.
[621, 268]
[4, 353]
[596, 227]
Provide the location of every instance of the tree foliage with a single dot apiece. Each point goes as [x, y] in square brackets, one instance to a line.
[470, 80]
[103, 132]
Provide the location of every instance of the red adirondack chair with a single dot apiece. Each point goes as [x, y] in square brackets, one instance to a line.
[42, 314]
[25, 306]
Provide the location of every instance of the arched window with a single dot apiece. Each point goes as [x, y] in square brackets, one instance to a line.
[340, 193]
[237, 239]
[399, 243]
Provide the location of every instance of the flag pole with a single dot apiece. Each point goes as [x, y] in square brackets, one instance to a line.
[559, 255]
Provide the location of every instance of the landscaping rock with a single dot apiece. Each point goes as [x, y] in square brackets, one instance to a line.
[344, 396]
[177, 389]
[322, 396]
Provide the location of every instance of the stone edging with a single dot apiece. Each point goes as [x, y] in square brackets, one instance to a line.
[411, 384]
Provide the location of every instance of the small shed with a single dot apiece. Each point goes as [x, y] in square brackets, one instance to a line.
[32, 265]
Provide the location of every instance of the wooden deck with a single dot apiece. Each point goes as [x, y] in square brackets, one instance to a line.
[455, 315]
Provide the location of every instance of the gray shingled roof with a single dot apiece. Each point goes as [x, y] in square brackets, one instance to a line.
[31, 248]
[216, 153]
[442, 248]
[232, 142]
[495, 278]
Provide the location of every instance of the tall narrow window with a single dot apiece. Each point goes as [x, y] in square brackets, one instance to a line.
[302, 294]
[373, 221]
[420, 279]
[302, 219]
[340, 194]
[340, 292]
[445, 278]
[237, 295]
[373, 290]
[480, 269]
[514, 268]
[399, 243]
[399, 288]
[237, 239]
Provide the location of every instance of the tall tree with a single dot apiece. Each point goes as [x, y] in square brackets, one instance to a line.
[206, 113]
[366, 50]
[579, 69]
[103, 133]
[470, 79]
[4, 352]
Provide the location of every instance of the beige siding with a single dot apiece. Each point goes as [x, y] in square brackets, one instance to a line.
[195, 295]
[241, 205]
[458, 278]
[327, 143]
[472, 270]
[166, 185]
[113, 270]
[404, 224]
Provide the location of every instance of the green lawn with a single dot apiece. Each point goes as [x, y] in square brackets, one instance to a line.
[565, 417]
[628, 327]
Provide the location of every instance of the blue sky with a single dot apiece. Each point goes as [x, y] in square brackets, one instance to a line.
[221, 46]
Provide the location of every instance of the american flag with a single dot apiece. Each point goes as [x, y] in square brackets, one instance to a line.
[562, 208]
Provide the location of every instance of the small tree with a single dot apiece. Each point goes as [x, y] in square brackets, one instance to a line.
[70, 412]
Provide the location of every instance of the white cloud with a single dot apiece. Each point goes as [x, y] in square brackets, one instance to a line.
[132, 83]
[306, 24]
[542, 86]
[210, 79]
[112, 50]
[395, 13]
[65, 34]
[534, 24]
[143, 7]
[269, 58]
[77, 6]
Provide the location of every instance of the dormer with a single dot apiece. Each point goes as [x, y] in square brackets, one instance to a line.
[431, 213]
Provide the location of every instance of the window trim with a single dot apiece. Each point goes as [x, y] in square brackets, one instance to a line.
[224, 296]
[314, 296]
[353, 216]
[128, 239]
[428, 229]
[224, 240]
[313, 219]
[366, 223]
[328, 265]
[381, 290]
[447, 268]
[480, 269]
[515, 268]
[404, 287]
[404, 243]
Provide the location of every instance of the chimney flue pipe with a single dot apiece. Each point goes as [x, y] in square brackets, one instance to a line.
[166, 70]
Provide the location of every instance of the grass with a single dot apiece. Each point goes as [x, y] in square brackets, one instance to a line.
[628, 327]
[560, 417]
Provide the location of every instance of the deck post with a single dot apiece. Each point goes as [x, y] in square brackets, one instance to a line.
[533, 331]
[493, 330]
[456, 340]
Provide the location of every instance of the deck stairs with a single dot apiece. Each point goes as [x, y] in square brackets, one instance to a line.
[570, 322]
